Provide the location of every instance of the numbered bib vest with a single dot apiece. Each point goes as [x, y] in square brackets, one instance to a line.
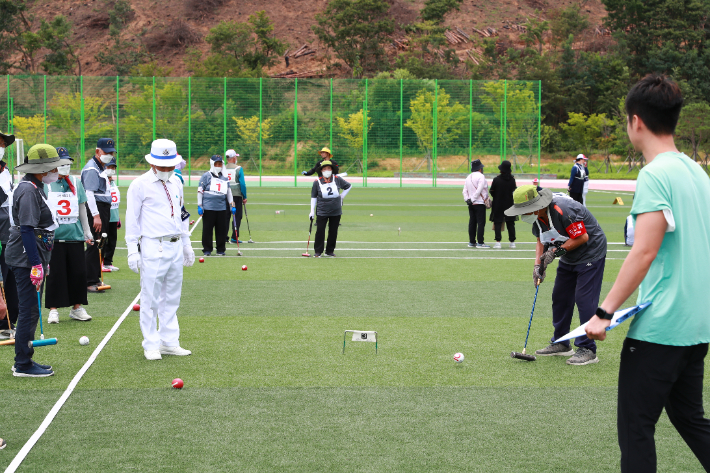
[215, 191]
[115, 197]
[232, 176]
[550, 236]
[6, 185]
[329, 190]
[55, 223]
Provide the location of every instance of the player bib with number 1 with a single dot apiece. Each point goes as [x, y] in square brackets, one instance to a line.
[65, 205]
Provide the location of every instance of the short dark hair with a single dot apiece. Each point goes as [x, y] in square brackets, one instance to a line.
[657, 101]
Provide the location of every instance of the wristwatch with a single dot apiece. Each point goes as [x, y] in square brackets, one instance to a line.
[560, 252]
[602, 314]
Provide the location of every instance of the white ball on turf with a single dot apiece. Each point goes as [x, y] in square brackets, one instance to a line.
[84, 341]
[458, 357]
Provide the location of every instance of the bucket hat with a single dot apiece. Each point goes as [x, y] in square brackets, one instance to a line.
[163, 153]
[476, 165]
[41, 158]
[526, 199]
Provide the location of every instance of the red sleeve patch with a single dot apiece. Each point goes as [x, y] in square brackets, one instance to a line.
[577, 229]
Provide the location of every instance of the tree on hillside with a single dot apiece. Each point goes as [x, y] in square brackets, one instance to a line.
[65, 112]
[121, 55]
[694, 126]
[30, 129]
[429, 55]
[62, 57]
[352, 130]
[566, 22]
[356, 31]
[434, 10]
[10, 28]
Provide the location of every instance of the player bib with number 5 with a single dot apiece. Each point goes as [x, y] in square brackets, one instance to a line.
[65, 206]
[115, 197]
[219, 186]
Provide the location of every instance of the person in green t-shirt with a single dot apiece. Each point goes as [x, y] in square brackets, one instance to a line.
[114, 220]
[662, 360]
[66, 282]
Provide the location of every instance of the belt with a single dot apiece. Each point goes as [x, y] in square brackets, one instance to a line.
[170, 238]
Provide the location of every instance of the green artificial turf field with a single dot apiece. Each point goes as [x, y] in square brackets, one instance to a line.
[268, 388]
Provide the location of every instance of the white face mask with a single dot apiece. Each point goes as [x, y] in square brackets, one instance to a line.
[106, 158]
[531, 219]
[110, 172]
[215, 170]
[64, 170]
[327, 174]
[2, 152]
[50, 177]
[164, 175]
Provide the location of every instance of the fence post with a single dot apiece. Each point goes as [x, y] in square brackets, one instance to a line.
[45, 108]
[224, 122]
[9, 127]
[364, 139]
[82, 149]
[118, 134]
[436, 132]
[470, 119]
[539, 125]
[260, 116]
[189, 131]
[295, 132]
[505, 120]
[154, 108]
[500, 134]
[331, 116]
[401, 109]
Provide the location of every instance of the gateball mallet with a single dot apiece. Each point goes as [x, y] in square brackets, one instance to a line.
[39, 306]
[101, 243]
[236, 232]
[523, 355]
[310, 229]
[248, 227]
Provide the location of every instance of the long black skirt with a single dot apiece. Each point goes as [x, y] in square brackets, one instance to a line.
[66, 283]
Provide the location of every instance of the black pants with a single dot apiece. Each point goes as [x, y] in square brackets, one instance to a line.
[577, 196]
[580, 284]
[110, 246]
[237, 217]
[66, 283]
[93, 262]
[28, 318]
[13, 307]
[651, 377]
[333, 223]
[476, 222]
[510, 225]
[214, 222]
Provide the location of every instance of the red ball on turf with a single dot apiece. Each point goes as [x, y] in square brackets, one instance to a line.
[136, 307]
[177, 383]
[202, 260]
[244, 268]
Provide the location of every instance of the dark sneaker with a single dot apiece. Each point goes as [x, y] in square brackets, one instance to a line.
[330, 255]
[233, 242]
[471, 245]
[584, 356]
[32, 372]
[94, 289]
[44, 367]
[555, 349]
[317, 255]
[207, 253]
[482, 245]
[220, 254]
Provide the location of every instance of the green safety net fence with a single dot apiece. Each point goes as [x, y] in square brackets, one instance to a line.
[410, 131]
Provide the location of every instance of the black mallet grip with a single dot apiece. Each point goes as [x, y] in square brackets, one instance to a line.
[521, 356]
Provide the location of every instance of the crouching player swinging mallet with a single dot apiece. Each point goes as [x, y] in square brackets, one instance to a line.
[156, 215]
[564, 228]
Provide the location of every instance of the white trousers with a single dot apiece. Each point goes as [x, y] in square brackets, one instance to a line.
[161, 287]
[584, 193]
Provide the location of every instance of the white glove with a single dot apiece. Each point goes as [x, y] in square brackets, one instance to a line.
[188, 256]
[134, 262]
[311, 215]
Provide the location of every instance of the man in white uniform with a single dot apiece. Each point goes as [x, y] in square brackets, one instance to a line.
[155, 215]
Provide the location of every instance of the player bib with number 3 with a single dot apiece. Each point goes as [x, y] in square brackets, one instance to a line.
[65, 205]
[219, 186]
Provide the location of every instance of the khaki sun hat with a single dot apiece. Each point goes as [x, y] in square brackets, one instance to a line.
[526, 199]
[326, 150]
[41, 158]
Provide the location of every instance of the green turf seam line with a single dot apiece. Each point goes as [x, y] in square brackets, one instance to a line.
[22, 454]
[25, 450]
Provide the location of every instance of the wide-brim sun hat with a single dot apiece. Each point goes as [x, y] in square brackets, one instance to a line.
[41, 158]
[476, 165]
[9, 139]
[526, 199]
[326, 150]
[163, 153]
[505, 166]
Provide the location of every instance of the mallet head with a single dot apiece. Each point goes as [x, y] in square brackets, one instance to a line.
[522, 356]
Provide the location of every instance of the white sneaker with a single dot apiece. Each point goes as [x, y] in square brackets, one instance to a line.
[53, 317]
[79, 314]
[496, 246]
[178, 351]
[152, 355]
[112, 267]
[512, 245]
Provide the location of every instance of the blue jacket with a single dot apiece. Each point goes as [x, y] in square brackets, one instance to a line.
[577, 179]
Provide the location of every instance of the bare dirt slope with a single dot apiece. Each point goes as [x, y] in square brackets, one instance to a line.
[293, 19]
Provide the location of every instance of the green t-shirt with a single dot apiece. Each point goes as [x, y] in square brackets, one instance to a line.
[70, 231]
[676, 283]
[114, 211]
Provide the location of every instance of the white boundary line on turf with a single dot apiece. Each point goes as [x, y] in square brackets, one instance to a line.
[530, 258]
[27, 447]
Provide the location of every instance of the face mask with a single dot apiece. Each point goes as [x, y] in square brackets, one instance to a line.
[106, 158]
[2, 153]
[163, 175]
[64, 170]
[50, 177]
[531, 219]
[215, 170]
[110, 172]
[327, 174]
